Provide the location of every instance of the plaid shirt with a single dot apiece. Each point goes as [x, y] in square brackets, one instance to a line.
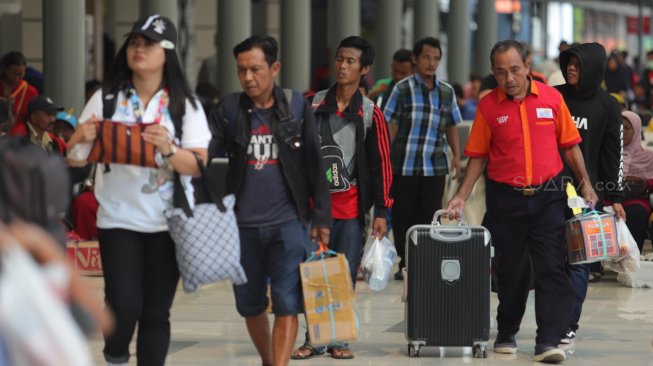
[423, 116]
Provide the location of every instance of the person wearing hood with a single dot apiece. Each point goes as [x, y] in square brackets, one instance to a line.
[598, 118]
[638, 169]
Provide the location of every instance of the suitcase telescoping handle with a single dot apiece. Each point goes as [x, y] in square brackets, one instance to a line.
[439, 213]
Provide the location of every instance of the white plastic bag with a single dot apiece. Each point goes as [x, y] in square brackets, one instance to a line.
[378, 259]
[628, 260]
[641, 279]
[36, 325]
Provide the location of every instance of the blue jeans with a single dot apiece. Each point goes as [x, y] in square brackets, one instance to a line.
[272, 253]
[579, 275]
[345, 238]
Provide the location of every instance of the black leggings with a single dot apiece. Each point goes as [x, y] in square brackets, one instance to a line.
[140, 278]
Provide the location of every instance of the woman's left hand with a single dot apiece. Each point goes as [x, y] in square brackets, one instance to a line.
[159, 137]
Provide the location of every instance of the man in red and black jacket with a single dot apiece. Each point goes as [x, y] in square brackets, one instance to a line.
[41, 113]
[356, 154]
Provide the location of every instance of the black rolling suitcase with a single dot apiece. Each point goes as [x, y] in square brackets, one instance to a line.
[448, 286]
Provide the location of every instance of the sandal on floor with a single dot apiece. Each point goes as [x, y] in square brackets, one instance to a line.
[341, 352]
[304, 352]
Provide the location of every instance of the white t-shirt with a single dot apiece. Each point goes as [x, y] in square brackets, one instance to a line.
[133, 197]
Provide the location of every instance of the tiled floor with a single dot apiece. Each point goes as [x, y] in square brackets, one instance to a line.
[616, 327]
[617, 330]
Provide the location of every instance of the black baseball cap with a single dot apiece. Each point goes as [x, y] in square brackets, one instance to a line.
[42, 103]
[158, 29]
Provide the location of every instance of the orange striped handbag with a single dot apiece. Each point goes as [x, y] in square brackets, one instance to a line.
[121, 143]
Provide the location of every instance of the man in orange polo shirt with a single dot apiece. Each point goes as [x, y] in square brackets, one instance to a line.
[517, 131]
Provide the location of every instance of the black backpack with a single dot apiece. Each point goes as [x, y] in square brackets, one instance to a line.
[34, 186]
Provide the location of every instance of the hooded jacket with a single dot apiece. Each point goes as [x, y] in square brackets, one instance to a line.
[598, 118]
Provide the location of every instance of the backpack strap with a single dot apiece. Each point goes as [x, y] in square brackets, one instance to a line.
[109, 101]
[284, 106]
[318, 99]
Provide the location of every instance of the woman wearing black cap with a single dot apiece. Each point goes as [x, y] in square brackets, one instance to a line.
[146, 84]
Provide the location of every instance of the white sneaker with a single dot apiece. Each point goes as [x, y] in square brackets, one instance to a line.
[549, 354]
[568, 338]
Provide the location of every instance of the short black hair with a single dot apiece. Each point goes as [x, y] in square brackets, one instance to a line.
[13, 58]
[402, 55]
[267, 44]
[426, 41]
[367, 51]
[504, 46]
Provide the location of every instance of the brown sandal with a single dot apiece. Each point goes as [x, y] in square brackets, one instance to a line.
[304, 352]
[341, 352]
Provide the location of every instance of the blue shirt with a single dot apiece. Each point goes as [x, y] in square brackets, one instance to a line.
[423, 117]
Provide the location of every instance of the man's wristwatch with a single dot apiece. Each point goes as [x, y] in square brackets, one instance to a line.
[173, 150]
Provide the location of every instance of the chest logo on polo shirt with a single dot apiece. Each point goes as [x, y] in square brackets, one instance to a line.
[502, 119]
[544, 112]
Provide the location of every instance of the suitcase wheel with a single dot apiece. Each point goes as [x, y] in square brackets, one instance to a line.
[480, 351]
[413, 350]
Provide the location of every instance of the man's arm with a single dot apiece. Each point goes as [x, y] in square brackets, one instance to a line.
[473, 171]
[377, 146]
[218, 125]
[574, 159]
[392, 111]
[454, 141]
[611, 169]
[317, 183]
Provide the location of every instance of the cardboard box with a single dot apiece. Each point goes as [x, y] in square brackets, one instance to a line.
[85, 257]
[329, 300]
[584, 239]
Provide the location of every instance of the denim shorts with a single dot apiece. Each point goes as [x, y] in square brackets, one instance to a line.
[271, 255]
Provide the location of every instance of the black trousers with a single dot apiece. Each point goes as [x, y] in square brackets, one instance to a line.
[637, 222]
[523, 227]
[140, 278]
[416, 200]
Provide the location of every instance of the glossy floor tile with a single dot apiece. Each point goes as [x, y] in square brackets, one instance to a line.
[616, 330]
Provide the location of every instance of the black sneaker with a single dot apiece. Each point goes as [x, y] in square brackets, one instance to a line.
[505, 344]
[548, 354]
[399, 276]
[569, 337]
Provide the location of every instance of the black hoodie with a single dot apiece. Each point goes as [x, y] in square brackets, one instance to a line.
[598, 118]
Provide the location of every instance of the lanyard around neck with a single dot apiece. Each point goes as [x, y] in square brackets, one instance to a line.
[163, 103]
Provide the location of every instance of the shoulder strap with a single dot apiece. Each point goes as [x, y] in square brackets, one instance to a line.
[318, 98]
[285, 113]
[288, 94]
[368, 111]
[109, 101]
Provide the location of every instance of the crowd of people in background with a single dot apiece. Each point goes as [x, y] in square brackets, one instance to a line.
[398, 139]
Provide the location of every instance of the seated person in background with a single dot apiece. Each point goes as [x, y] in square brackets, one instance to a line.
[38, 128]
[64, 125]
[6, 118]
[638, 170]
[14, 88]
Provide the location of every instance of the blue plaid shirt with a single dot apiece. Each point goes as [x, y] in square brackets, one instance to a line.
[423, 117]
